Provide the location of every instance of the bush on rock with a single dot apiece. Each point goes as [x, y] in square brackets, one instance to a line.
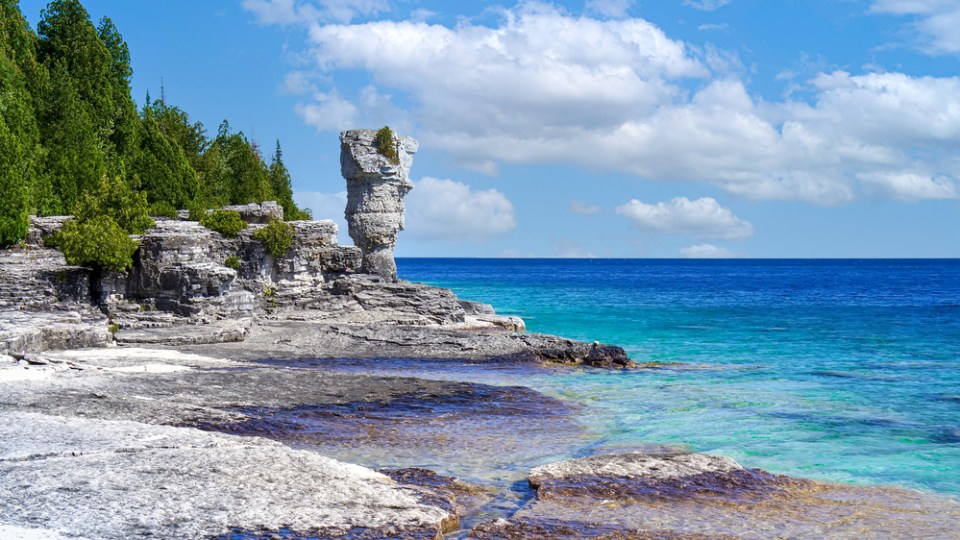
[97, 243]
[226, 222]
[386, 144]
[277, 236]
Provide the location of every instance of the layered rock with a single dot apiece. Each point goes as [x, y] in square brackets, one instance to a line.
[375, 190]
[670, 494]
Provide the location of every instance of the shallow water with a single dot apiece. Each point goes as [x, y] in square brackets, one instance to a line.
[834, 370]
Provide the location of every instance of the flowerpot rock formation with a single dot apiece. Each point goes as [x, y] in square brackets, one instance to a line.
[375, 190]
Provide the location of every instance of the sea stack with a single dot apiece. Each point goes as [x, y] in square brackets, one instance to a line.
[376, 184]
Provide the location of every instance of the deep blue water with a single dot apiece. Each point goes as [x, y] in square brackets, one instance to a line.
[845, 370]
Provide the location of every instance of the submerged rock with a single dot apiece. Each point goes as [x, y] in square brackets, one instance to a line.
[375, 190]
[684, 495]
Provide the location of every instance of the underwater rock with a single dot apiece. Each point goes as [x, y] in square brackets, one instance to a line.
[674, 494]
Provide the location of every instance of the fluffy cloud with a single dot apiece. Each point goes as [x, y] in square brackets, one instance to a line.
[328, 111]
[911, 186]
[937, 21]
[447, 210]
[706, 5]
[706, 251]
[702, 217]
[546, 86]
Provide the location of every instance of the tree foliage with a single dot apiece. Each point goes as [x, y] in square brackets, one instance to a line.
[67, 121]
[114, 198]
[226, 222]
[19, 151]
[98, 243]
[276, 236]
[386, 143]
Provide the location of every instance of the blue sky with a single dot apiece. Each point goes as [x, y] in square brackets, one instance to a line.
[608, 128]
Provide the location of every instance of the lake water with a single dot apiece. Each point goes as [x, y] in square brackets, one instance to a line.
[843, 370]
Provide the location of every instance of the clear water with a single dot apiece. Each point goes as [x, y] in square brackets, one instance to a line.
[834, 370]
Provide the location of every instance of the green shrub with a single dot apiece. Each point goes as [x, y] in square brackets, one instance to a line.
[226, 222]
[163, 209]
[232, 262]
[13, 228]
[277, 236]
[97, 243]
[386, 144]
[114, 198]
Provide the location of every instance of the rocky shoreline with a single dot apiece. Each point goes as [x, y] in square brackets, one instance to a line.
[199, 396]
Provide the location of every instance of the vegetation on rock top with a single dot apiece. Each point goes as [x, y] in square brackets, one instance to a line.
[386, 143]
[226, 222]
[276, 236]
[68, 121]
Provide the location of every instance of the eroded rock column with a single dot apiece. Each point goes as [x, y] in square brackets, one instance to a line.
[375, 189]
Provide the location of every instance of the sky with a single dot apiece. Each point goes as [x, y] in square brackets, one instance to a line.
[593, 128]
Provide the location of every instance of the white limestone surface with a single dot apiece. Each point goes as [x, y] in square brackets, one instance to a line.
[118, 480]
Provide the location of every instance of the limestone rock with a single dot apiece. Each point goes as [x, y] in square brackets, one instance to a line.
[42, 227]
[23, 332]
[670, 494]
[40, 278]
[258, 213]
[118, 480]
[375, 191]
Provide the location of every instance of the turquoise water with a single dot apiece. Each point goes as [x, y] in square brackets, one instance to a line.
[835, 370]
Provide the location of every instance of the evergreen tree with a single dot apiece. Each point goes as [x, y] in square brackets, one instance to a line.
[69, 128]
[176, 125]
[248, 176]
[69, 40]
[19, 148]
[159, 165]
[124, 119]
[75, 157]
[281, 187]
[76, 112]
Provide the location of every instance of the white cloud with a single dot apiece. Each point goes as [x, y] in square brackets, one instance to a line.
[706, 27]
[706, 5]
[547, 87]
[328, 111]
[287, 12]
[911, 186]
[936, 21]
[584, 209]
[706, 251]
[447, 210]
[610, 8]
[296, 83]
[702, 217]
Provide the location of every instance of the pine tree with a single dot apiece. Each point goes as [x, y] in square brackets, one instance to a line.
[69, 40]
[159, 165]
[248, 178]
[19, 147]
[75, 158]
[281, 186]
[124, 119]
